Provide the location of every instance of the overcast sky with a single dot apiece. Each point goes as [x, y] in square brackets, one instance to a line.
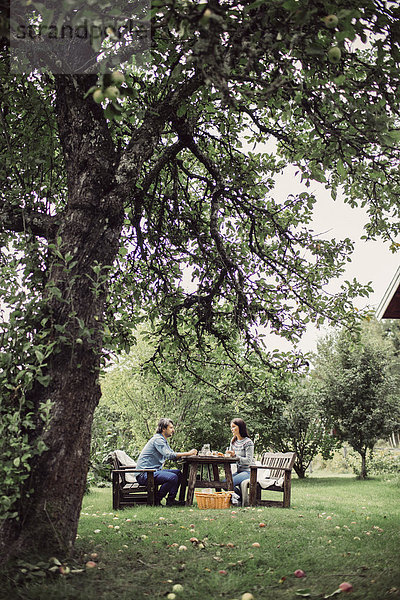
[371, 261]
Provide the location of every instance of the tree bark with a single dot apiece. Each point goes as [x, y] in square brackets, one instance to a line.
[300, 471]
[363, 473]
[90, 232]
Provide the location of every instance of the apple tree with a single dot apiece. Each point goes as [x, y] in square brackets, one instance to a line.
[286, 415]
[113, 187]
[359, 389]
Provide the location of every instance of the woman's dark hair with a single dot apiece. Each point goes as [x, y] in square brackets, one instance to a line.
[163, 424]
[242, 427]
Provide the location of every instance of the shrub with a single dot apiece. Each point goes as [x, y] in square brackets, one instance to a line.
[385, 461]
[337, 464]
[109, 432]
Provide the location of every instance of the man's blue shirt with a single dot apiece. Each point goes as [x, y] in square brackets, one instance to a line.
[155, 453]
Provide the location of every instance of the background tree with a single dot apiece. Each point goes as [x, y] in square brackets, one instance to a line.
[201, 395]
[288, 417]
[100, 220]
[359, 391]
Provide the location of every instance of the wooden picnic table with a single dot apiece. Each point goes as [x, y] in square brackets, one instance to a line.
[211, 464]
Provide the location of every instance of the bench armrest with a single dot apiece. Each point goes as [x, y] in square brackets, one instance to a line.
[133, 470]
[270, 468]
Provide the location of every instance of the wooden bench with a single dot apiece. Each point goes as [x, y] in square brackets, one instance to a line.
[280, 467]
[126, 493]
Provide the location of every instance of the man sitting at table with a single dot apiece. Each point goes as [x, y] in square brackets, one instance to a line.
[153, 456]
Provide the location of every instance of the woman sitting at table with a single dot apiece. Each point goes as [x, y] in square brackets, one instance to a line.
[242, 447]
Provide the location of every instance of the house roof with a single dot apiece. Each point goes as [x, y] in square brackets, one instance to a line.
[389, 306]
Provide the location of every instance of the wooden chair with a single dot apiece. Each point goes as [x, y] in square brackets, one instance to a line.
[127, 491]
[280, 467]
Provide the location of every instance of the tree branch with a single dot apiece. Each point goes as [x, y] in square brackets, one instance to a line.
[39, 224]
[169, 153]
[146, 137]
[138, 199]
[185, 135]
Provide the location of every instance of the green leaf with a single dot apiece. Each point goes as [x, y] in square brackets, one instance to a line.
[39, 355]
[90, 91]
[340, 169]
[339, 80]
[254, 5]
[315, 50]
[181, 110]
[291, 5]
[394, 134]
[44, 380]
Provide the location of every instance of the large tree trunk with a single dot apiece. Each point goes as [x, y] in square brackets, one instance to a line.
[363, 472]
[90, 231]
[299, 467]
[89, 234]
[300, 471]
[48, 520]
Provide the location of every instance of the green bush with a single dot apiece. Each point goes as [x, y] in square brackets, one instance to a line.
[109, 432]
[339, 463]
[382, 461]
[385, 461]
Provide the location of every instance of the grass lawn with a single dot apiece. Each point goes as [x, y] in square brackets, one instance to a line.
[337, 529]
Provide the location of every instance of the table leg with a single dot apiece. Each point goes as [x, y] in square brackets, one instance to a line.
[228, 476]
[184, 482]
[215, 473]
[253, 487]
[191, 483]
[204, 467]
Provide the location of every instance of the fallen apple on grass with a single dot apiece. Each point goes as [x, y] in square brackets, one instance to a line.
[64, 570]
[91, 564]
[346, 587]
[299, 573]
[247, 596]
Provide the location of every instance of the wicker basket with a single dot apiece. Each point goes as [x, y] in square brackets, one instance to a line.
[213, 499]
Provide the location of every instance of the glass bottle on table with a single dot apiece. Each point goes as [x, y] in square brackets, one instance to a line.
[205, 451]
